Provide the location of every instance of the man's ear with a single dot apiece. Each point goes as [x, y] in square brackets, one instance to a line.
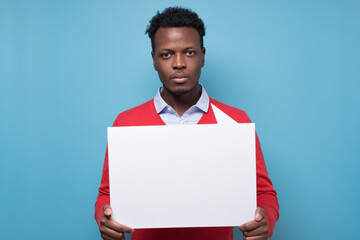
[153, 57]
[203, 56]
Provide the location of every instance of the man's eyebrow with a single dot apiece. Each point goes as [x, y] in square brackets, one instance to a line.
[171, 50]
[166, 49]
[191, 47]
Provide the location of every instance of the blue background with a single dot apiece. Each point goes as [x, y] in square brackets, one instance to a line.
[67, 68]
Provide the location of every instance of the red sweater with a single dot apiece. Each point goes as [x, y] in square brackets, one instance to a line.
[145, 115]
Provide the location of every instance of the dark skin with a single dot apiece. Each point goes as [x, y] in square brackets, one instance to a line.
[178, 58]
[256, 229]
[111, 229]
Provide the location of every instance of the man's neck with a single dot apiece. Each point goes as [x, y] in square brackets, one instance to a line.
[182, 102]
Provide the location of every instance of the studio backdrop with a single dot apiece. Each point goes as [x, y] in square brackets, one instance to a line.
[67, 68]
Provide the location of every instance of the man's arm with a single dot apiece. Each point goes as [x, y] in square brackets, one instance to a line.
[104, 193]
[266, 194]
[267, 212]
[109, 228]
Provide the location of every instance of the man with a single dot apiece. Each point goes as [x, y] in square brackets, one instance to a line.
[178, 55]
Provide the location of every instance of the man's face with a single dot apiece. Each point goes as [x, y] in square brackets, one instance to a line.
[178, 59]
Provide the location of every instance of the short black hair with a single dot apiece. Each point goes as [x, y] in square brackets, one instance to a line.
[175, 17]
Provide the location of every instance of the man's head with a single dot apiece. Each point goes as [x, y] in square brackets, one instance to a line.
[178, 53]
[175, 17]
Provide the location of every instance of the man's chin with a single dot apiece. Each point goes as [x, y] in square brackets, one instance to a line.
[180, 91]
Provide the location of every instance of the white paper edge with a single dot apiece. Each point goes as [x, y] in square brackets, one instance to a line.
[221, 117]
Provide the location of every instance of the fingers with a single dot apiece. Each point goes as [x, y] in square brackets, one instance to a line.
[109, 234]
[108, 222]
[126, 229]
[252, 225]
[107, 210]
[255, 238]
[259, 214]
[119, 227]
[256, 229]
[111, 229]
[260, 231]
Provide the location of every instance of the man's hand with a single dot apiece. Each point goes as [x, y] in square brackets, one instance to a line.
[109, 228]
[256, 229]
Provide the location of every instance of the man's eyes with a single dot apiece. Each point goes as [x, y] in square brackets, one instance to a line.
[188, 53]
[166, 55]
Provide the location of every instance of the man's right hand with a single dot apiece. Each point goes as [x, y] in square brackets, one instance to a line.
[110, 229]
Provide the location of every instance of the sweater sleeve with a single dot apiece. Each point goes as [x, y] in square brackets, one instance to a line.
[103, 197]
[266, 194]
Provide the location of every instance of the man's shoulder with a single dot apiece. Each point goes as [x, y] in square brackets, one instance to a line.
[141, 115]
[145, 107]
[235, 113]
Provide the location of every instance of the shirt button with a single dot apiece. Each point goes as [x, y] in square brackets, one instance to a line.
[181, 122]
[169, 108]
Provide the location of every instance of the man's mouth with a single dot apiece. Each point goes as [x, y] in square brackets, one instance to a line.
[179, 78]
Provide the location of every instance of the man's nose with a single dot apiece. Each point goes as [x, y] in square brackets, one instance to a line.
[179, 61]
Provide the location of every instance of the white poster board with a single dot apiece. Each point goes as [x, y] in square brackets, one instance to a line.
[183, 175]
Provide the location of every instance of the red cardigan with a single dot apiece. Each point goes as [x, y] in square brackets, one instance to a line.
[145, 115]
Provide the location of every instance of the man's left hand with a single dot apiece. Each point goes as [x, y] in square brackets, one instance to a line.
[256, 229]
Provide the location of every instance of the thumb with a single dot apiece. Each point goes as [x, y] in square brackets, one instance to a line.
[259, 214]
[107, 210]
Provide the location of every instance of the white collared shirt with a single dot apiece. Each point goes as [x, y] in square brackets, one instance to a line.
[191, 116]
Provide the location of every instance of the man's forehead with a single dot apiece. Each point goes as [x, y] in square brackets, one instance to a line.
[173, 36]
[178, 30]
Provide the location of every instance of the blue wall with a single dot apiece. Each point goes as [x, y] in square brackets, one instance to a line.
[67, 68]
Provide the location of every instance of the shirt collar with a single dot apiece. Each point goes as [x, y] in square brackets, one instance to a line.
[202, 103]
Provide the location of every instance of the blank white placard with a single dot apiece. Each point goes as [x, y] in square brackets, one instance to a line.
[182, 175]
